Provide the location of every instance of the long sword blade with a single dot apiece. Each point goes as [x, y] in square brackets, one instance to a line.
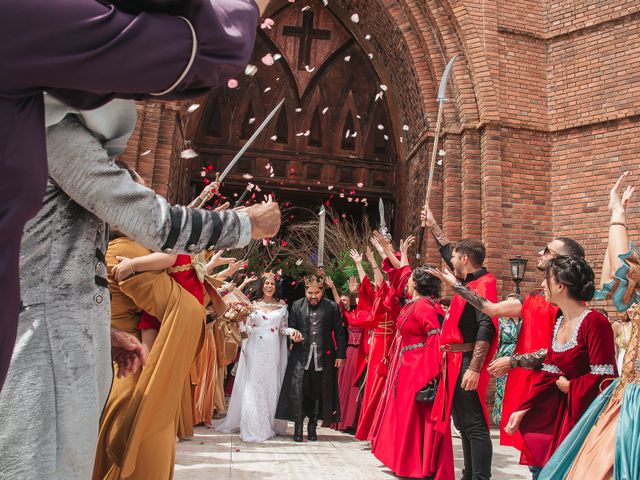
[246, 146]
[321, 227]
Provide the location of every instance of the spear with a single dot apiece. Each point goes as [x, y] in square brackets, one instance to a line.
[442, 98]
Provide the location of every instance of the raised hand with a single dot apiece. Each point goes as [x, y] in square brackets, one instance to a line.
[383, 243]
[426, 216]
[405, 244]
[329, 282]
[355, 255]
[444, 275]
[370, 257]
[353, 285]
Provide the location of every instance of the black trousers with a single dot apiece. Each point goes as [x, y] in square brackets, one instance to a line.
[469, 420]
[311, 394]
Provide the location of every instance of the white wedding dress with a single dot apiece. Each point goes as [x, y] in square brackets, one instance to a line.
[261, 368]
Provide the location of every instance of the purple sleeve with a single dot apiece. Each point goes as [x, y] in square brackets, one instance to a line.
[89, 46]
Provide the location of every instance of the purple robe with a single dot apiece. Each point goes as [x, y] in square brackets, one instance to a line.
[88, 52]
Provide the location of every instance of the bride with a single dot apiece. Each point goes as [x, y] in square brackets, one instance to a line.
[263, 361]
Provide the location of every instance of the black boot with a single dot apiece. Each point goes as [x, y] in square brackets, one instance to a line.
[297, 432]
[311, 431]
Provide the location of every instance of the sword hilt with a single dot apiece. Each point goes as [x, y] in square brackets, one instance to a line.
[241, 199]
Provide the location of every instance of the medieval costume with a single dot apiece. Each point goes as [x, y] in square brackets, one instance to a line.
[348, 389]
[604, 443]
[263, 362]
[64, 271]
[585, 360]
[508, 328]
[138, 425]
[382, 321]
[208, 44]
[406, 440]
[310, 387]
[536, 329]
[468, 341]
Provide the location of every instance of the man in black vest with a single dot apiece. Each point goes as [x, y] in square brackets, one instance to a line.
[310, 387]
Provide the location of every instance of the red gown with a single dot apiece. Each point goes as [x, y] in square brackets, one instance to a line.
[406, 440]
[538, 319]
[187, 278]
[586, 360]
[452, 361]
[386, 308]
[348, 391]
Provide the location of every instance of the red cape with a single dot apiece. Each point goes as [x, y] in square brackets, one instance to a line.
[538, 319]
[486, 287]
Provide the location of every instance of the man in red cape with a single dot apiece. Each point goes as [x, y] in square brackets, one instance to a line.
[468, 342]
[538, 319]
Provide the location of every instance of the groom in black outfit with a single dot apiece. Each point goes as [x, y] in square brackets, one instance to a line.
[310, 387]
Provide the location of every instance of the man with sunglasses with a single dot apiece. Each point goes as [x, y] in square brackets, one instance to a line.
[538, 318]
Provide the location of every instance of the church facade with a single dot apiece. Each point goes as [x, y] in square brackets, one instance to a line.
[543, 115]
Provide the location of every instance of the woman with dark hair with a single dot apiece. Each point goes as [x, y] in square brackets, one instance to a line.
[406, 440]
[261, 369]
[580, 357]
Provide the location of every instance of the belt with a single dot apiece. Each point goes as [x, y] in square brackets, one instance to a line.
[413, 346]
[458, 347]
[180, 268]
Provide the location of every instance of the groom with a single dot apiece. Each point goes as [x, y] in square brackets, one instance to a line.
[310, 387]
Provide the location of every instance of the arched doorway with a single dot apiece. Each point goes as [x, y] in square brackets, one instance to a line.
[333, 140]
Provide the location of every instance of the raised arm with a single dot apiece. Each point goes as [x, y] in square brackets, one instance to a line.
[404, 250]
[329, 282]
[618, 230]
[377, 274]
[444, 244]
[357, 259]
[80, 166]
[384, 248]
[511, 307]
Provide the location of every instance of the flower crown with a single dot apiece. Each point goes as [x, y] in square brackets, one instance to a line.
[316, 281]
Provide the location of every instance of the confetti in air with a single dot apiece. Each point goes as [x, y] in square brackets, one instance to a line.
[405, 128]
[360, 184]
[325, 110]
[298, 110]
[325, 2]
[267, 89]
[305, 8]
[247, 176]
[347, 58]
[355, 18]
[268, 60]
[146, 152]
[383, 87]
[232, 83]
[442, 153]
[193, 108]
[386, 137]
[380, 126]
[203, 173]
[275, 137]
[252, 120]
[370, 56]
[268, 24]
[439, 162]
[299, 262]
[367, 37]
[251, 70]
[277, 56]
[309, 69]
[188, 153]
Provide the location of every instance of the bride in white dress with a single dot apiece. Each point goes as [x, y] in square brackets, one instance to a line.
[263, 361]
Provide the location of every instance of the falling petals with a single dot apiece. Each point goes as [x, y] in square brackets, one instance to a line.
[360, 184]
[367, 37]
[188, 153]
[442, 153]
[250, 70]
[355, 18]
[267, 23]
[146, 152]
[252, 120]
[305, 8]
[325, 110]
[268, 60]
[386, 137]
[347, 58]
[232, 83]
[193, 108]
[330, 187]
[309, 69]
[274, 137]
[383, 88]
[203, 173]
[267, 89]
[247, 176]
[277, 56]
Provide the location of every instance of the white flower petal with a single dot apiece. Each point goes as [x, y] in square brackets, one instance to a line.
[188, 153]
[355, 18]
[250, 70]
[193, 108]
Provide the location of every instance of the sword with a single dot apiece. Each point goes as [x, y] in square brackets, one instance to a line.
[442, 98]
[384, 231]
[321, 227]
[245, 147]
[242, 197]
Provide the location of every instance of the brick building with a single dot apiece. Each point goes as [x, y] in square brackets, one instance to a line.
[544, 115]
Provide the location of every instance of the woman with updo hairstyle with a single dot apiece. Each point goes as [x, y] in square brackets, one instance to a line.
[580, 357]
[406, 440]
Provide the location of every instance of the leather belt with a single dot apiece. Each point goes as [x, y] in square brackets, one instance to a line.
[458, 347]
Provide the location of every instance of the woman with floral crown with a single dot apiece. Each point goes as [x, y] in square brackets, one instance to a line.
[605, 442]
[263, 361]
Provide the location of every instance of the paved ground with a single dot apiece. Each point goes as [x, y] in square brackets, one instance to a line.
[210, 455]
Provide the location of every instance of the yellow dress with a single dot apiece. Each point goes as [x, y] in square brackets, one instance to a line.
[138, 426]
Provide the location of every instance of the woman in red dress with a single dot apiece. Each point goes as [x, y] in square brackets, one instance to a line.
[581, 355]
[406, 440]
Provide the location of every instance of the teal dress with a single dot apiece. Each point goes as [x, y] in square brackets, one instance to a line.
[509, 329]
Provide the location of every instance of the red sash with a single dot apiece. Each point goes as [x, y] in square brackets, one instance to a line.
[452, 361]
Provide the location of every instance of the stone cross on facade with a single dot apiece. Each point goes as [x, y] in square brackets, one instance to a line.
[306, 34]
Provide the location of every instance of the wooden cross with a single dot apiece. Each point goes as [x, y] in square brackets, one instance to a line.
[306, 33]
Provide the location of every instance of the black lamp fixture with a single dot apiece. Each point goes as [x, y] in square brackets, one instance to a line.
[518, 267]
